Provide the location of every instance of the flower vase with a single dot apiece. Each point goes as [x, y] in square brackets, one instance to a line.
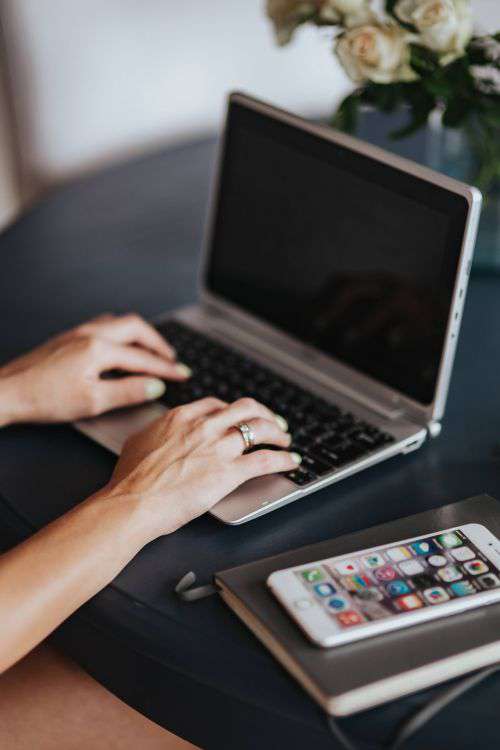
[451, 151]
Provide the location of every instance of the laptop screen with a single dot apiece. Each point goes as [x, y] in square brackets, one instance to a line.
[353, 256]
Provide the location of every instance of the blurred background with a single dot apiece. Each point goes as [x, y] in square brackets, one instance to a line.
[83, 83]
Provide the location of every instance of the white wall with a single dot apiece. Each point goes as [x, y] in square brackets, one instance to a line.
[9, 187]
[99, 78]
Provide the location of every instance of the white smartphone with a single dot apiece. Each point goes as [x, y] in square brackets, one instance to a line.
[385, 588]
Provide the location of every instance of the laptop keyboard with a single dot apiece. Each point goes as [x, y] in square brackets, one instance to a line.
[326, 437]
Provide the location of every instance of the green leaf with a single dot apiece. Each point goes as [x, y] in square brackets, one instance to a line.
[489, 109]
[421, 104]
[346, 116]
[456, 112]
[384, 96]
[438, 87]
[423, 60]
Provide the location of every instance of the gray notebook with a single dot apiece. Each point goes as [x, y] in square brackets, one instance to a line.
[361, 675]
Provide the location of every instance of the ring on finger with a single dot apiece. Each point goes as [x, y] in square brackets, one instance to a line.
[247, 434]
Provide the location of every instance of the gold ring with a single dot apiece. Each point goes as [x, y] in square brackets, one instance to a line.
[247, 434]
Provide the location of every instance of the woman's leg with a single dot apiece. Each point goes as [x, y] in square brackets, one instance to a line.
[47, 702]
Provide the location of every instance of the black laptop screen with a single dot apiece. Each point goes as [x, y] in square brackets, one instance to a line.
[341, 251]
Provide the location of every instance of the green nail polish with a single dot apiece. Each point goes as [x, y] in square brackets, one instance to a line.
[183, 370]
[154, 388]
[296, 458]
[281, 422]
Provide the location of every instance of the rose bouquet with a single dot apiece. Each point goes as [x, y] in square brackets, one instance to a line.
[419, 53]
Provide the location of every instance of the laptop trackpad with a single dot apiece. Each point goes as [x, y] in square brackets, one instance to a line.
[112, 430]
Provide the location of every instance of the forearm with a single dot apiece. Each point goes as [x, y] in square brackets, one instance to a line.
[45, 579]
[12, 408]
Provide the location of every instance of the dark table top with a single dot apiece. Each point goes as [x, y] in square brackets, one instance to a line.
[130, 238]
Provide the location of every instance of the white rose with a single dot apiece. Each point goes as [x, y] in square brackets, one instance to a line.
[445, 26]
[375, 53]
[287, 15]
[348, 12]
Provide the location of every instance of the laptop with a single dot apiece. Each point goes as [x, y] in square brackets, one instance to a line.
[332, 291]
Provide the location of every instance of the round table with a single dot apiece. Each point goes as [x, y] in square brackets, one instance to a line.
[129, 238]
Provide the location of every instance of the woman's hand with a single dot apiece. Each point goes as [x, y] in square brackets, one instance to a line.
[61, 380]
[188, 460]
[172, 472]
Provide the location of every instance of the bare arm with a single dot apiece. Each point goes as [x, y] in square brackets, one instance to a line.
[169, 474]
[46, 578]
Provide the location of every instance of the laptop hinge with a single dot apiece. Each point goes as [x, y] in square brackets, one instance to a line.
[258, 344]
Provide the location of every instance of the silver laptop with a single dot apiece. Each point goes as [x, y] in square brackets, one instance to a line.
[332, 290]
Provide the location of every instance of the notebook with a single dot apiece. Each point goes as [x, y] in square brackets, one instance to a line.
[354, 677]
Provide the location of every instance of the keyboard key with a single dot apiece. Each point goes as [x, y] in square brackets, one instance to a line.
[326, 437]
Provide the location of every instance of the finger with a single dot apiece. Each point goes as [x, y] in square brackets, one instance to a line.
[115, 394]
[264, 462]
[243, 410]
[132, 329]
[264, 431]
[203, 407]
[133, 359]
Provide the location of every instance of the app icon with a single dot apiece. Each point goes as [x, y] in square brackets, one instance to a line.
[423, 581]
[411, 567]
[374, 560]
[476, 567]
[462, 588]
[463, 553]
[387, 573]
[346, 567]
[361, 582]
[437, 561]
[436, 595]
[489, 581]
[349, 618]
[312, 575]
[374, 611]
[449, 540]
[325, 589]
[338, 603]
[397, 554]
[371, 594]
[397, 588]
[410, 601]
[450, 573]
[348, 583]
[426, 547]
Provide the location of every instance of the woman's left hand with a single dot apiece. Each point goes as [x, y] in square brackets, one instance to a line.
[62, 379]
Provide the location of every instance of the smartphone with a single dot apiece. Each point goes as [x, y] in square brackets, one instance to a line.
[377, 590]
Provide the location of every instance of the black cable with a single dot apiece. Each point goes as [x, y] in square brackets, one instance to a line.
[410, 727]
[339, 734]
[421, 717]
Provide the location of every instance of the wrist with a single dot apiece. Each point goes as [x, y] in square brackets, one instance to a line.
[13, 408]
[131, 514]
[148, 517]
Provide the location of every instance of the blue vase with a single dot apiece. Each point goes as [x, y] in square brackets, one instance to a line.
[447, 150]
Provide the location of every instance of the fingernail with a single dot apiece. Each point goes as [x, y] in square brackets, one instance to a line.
[281, 422]
[183, 370]
[296, 458]
[154, 388]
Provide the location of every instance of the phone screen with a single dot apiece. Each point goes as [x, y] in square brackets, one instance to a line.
[390, 581]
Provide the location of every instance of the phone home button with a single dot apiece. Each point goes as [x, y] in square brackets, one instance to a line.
[303, 603]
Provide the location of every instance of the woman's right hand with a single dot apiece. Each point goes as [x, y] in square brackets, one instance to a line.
[184, 463]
